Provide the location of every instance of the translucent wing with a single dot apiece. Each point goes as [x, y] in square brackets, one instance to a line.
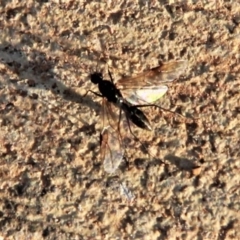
[144, 95]
[148, 87]
[112, 149]
[167, 72]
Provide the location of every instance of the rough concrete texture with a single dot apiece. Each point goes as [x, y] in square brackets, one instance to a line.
[184, 185]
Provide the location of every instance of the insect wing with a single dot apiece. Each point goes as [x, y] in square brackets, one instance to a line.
[112, 150]
[148, 87]
[144, 95]
[167, 72]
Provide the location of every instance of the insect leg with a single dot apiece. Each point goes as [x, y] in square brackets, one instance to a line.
[136, 138]
[110, 75]
[164, 109]
[95, 93]
[129, 127]
[119, 119]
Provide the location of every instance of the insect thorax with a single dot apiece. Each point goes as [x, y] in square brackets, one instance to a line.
[109, 91]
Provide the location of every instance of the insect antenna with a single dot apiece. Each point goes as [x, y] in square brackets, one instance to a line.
[110, 75]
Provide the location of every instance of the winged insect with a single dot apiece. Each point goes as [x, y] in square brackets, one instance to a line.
[129, 94]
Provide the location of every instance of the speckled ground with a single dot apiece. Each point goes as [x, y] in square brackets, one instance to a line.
[53, 185]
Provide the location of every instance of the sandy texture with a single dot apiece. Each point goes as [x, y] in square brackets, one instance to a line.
[52, 182]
